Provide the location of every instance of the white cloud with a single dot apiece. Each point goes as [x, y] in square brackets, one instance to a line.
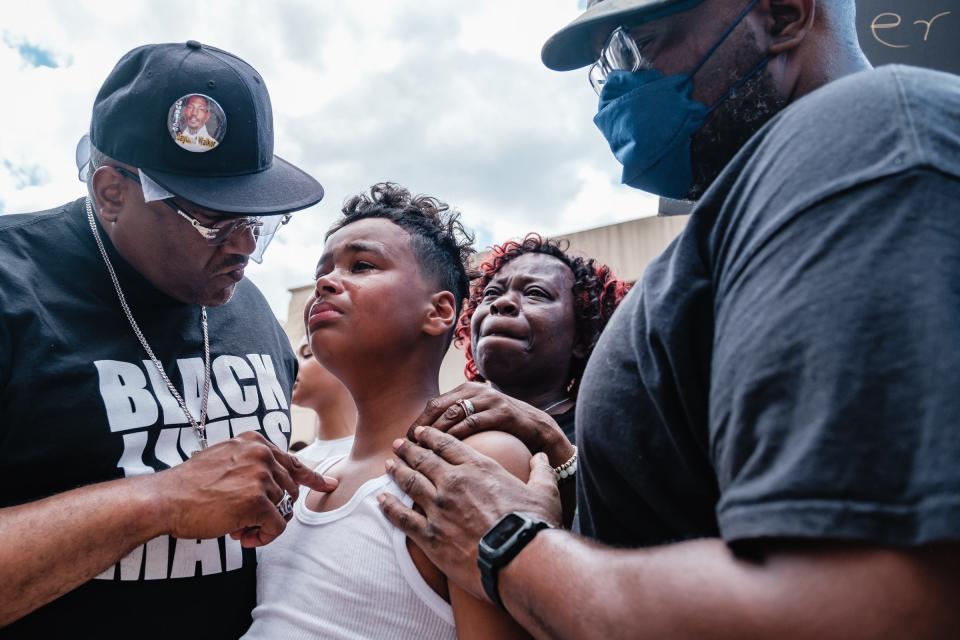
[447, 98]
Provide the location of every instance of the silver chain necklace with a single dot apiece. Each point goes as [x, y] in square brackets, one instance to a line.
[199, 427]
[555, 404]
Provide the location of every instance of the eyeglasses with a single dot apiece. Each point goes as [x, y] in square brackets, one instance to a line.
[620, 53]
[217, 233]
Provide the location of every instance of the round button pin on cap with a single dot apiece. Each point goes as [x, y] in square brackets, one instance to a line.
[197, 123]
[193, 44]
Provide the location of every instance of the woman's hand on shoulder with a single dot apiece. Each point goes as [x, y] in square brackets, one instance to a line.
[493, 410]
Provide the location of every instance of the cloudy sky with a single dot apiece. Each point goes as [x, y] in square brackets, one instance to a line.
[447, 98]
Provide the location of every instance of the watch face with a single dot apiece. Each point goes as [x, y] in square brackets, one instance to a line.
[504, 529]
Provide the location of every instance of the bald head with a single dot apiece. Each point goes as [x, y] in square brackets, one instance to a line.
[802, 45]
[841, 12]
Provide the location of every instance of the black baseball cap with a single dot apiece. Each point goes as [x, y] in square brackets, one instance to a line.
[578, 44]
[140, 117]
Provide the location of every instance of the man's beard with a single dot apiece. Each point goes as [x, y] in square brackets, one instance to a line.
[730, 126]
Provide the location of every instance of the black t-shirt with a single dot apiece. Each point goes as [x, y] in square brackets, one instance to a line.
[80, 402]
[789, 366]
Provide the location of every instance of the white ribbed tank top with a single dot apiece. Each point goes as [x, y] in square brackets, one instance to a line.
[345, 573]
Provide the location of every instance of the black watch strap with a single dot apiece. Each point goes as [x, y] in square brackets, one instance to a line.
[488, 578]
[500, 545]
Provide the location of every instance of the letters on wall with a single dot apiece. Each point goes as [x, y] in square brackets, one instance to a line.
[923, 33]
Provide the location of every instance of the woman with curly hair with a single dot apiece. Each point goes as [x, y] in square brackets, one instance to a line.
[532, 321]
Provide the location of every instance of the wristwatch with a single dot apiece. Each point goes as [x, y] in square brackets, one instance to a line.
[501, 544]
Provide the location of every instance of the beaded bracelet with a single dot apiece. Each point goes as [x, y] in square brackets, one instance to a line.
[568, 469]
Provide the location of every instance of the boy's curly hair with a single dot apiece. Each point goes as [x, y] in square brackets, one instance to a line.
[440, 242]
[596, 294]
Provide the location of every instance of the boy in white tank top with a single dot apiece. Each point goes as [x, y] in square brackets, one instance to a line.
[389, 289]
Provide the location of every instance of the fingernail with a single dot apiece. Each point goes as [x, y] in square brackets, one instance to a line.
[389, 464]
[541, 457]
[398, 443]
[330, 480]
[381, 498]
[418, 431]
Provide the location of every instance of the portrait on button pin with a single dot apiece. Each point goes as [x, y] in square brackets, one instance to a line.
[196, 123]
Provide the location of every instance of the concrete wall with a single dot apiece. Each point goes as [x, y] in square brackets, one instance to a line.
[628, 247]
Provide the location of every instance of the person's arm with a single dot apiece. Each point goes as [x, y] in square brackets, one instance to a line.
[496, 411]
[562, 586]
[477, 618]
[54, 545]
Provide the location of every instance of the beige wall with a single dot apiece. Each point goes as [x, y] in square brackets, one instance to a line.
[294, 325]
[627, 248]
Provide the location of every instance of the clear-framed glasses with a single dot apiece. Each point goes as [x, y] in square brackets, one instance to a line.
[620, 53]
[216, 233]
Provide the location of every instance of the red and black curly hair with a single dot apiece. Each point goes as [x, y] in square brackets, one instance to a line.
[596, 293]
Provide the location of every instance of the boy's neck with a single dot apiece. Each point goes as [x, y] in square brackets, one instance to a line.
[385, 411]
[338, 418]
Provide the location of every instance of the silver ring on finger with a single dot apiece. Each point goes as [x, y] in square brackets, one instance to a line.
[285, 504]
[467, 406]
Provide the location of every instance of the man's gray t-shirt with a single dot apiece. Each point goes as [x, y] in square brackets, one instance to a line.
[790, 366]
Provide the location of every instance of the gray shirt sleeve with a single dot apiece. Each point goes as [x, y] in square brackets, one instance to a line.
[835, 381]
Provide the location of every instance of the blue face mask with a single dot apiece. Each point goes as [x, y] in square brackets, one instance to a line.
[649, 120]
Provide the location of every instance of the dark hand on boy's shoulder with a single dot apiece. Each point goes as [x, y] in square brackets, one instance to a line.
[495, 411]
[462, 493]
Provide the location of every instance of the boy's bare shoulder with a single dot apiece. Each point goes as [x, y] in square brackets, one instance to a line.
[510, 452]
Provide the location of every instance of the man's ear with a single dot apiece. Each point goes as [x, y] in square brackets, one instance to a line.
[109, 194]
[442, 314]
[788, 23]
